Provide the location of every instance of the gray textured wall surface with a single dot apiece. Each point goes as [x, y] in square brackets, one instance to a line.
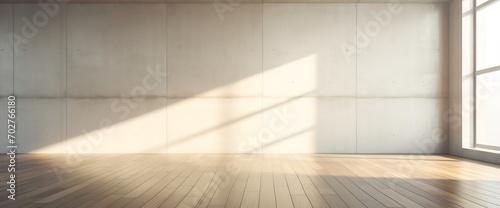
[271, 78]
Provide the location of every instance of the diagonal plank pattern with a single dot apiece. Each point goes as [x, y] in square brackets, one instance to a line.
[251, 180]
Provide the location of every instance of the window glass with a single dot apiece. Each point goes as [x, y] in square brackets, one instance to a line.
[488, 36]
[479, 2]
[488, 109]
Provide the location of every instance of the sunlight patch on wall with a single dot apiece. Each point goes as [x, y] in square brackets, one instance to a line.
[94, 128]
[293, 78]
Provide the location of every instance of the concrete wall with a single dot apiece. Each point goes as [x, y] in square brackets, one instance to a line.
[6, 66]
[273, 78]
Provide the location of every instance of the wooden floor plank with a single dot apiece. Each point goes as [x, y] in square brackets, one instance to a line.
[253, 180]
[236, 194]
[267, 197]
[301, 201]
[250, 199]
[405, 191]
[283, 197]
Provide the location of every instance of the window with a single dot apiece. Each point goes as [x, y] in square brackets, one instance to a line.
[487, 73]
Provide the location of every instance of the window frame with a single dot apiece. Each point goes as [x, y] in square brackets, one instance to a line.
[475, 9]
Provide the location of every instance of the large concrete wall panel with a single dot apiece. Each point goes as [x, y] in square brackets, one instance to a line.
[303, 53]
[402, 125]
[213, 125]
[402, 50]
[41, 125]
[229, 75]
[6, 49]
[309, 125]
[214, 56]
[40, 58]
[111, 47]
[111, 125]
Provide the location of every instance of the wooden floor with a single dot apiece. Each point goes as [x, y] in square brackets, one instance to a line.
[251, 180]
